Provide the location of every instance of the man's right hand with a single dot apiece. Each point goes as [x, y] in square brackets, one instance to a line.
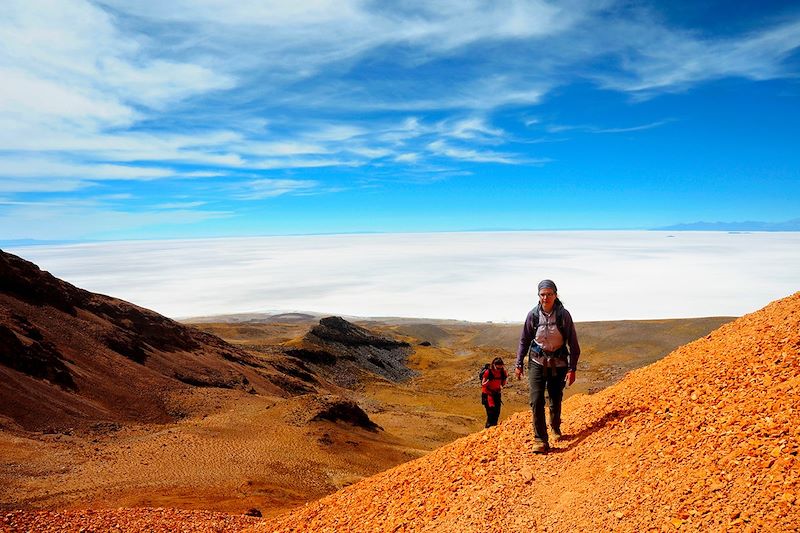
[518, 373]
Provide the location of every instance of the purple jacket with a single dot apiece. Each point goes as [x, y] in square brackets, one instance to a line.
[570, 335]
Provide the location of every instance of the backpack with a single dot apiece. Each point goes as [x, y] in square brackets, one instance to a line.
[486, 368]
[559, 321]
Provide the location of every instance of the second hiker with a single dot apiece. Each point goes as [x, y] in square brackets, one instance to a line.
[493, 379]
[549, 338]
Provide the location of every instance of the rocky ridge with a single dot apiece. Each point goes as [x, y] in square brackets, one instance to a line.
[349, 350]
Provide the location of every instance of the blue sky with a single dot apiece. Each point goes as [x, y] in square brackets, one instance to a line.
[154, 119]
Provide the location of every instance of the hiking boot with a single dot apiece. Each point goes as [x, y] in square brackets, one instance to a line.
[557, 436]
[540, 447]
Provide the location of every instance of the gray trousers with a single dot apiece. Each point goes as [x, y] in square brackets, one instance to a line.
[553, 382]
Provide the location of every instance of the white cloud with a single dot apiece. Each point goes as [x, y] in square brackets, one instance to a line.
[69, 58]
[471, 128]
[321, 39]
[179, 205]
[629, 129]
[247, 13]
[273, 164]
[410, 157]
[26, 97]
[27, 168]
[467, 154]
[352, 24]
[37, 186]
[334, 132]
[468, 276]
[446, 25]
[368, 152]
[23, 173]
[65, 220]
[286, 148]
[559, 128]
[159, 83]
[657, 58]
[398, 134]
[269, 188]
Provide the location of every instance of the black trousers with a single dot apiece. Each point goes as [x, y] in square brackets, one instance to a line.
[552, 380]
[492, 413]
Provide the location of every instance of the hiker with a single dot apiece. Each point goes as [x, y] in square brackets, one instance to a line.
[549, 338]
[493, 379]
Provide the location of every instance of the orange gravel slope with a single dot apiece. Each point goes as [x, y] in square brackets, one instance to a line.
[704, 440]
[152, 520]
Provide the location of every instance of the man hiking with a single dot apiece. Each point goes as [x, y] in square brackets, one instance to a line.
[549, 338]
[493, 379]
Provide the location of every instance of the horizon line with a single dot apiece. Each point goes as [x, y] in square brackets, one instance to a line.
[666, 229]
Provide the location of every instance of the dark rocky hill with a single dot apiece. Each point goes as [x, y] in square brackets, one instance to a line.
[349, 350]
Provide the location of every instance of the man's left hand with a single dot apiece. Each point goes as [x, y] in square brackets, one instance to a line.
[570, 377]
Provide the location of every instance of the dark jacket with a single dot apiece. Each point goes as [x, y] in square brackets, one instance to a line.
[565, 325]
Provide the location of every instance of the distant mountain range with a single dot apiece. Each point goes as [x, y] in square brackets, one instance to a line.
[750, 225]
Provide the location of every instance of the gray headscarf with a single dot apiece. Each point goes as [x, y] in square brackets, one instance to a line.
[547, 284]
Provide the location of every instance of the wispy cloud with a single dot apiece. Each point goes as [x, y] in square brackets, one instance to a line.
[69, 61]
[442, 148]
[629, 129]
[180, 205]
[656, 58]
[411, 157]
[269, 188]
[475, 128]
[30, 167]
[560, 128]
